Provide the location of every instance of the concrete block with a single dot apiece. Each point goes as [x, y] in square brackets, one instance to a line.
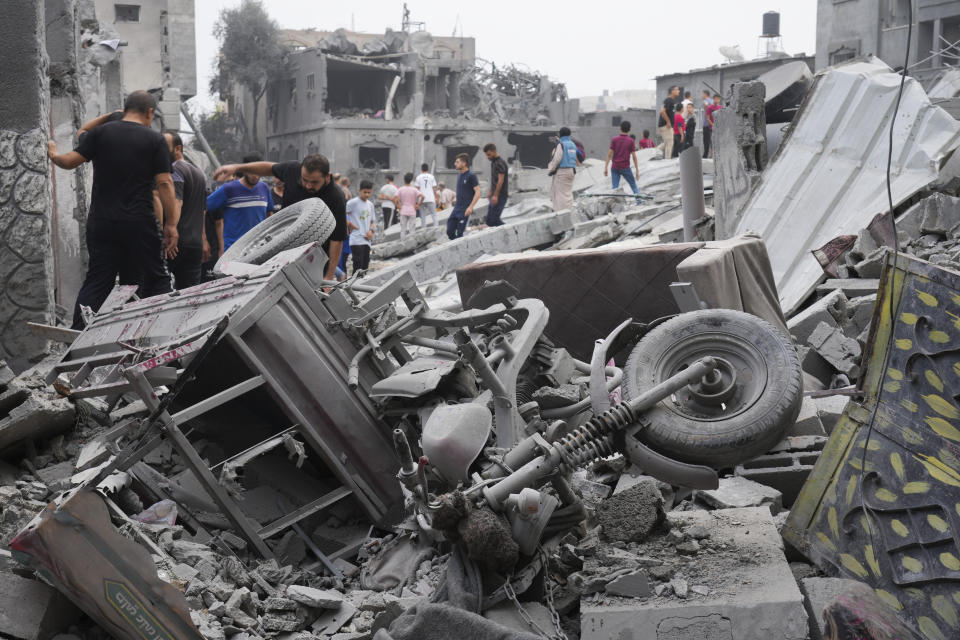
[786, 467]
[830, 409]
[756, 600]
[830, 309]
[332, 620]
[808, 421]
[941, 214]
[632, 515]
[859, 314]
[872, 265]
[738, 492]
[631, 585]
[818, 593]
[32, 610]
[909, 222]
[33, 415]
[841, 352]
[851, 287]
[815, 366]
[317, 598]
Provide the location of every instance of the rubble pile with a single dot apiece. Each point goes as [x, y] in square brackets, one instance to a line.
[270, 455]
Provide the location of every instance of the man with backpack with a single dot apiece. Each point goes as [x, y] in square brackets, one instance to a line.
[567, 156]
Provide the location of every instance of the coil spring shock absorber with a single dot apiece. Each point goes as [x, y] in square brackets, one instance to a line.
[594, 440]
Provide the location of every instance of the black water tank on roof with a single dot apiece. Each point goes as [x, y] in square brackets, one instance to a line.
[771, 24]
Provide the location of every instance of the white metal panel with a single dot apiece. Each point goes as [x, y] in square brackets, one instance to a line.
[828, 178]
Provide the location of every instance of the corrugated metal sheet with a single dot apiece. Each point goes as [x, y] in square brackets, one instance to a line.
[948, 86]
[828, 178]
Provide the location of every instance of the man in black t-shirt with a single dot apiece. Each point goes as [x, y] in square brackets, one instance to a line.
[123, 235]
[665, 122]
[498, 185]
[190, 185]
[302, 180]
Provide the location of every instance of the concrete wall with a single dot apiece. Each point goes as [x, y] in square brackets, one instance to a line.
[720, 77]
[26, 255]
[854, 24]
[183, 46]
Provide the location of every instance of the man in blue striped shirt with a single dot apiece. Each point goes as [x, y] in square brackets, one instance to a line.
[245, 203]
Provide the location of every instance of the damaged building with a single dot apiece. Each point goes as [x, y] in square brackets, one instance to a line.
[392, 101]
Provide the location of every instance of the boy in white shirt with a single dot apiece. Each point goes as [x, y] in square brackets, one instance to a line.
[360, 225]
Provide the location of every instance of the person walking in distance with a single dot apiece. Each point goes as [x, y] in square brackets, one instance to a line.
[645, 142]
[563, 167]
[665, 122]
[679, 124]
[193, 248]
[302, 180]
[447, 196]
[621, 150]
[361, 225]
[468, 192]
[123, 238]
[407, 200]
[387, 193]
[498, 185]
[689, 126]
[427, 185]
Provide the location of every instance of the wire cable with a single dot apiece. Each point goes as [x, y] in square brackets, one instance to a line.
[893, 309]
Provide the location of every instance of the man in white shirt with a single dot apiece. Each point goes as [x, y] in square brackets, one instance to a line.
[387, 193]
[427, 185]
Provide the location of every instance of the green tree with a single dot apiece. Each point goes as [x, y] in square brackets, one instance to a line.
[222, 134]
[250, 54]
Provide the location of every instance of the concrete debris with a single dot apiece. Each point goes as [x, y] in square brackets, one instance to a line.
[738, 492]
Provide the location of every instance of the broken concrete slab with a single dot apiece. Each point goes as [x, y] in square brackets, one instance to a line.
[630, 585]
[757, 600]
[32, 610]
[738, 492]
[941, 214]
[507, 615]
[32, 416]
[316, 598]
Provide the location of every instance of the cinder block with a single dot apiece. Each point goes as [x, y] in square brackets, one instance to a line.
[830, 309]
[739, 492]
[758, 600]
[786, 467]
[808, 421]
[841, 352]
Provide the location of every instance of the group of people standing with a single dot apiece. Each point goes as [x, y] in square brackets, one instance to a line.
[677, 121]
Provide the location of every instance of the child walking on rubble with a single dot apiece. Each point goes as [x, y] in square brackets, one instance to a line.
[360, 225]
[408, 200]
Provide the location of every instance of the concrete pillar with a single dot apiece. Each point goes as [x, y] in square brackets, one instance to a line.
[453, 86]
[739, 153]
[691, 188]
[26, 254]
[938, 43]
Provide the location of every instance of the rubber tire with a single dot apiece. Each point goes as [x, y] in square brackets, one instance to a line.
[724, 442]
[301, 223]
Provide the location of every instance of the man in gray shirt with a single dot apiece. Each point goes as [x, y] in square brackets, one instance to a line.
[193, 249]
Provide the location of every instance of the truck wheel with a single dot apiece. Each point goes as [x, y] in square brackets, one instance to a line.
[299, 224]
[735, 413]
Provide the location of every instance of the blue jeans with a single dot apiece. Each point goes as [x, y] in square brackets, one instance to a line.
[626, 174]
[494, 211]
[456, 224]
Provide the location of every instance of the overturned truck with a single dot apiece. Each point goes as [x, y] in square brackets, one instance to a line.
[271, 397]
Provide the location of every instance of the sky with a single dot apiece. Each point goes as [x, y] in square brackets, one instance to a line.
[618, 45]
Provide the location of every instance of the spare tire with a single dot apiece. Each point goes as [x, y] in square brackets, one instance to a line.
[301, 223]
[735, 413]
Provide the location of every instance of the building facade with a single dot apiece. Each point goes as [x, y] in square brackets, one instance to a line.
[851, 28]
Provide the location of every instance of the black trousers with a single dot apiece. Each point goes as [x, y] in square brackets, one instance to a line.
[129, 249]
[707, 135]
[676, 146]
[361, 256]
[185, 268]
